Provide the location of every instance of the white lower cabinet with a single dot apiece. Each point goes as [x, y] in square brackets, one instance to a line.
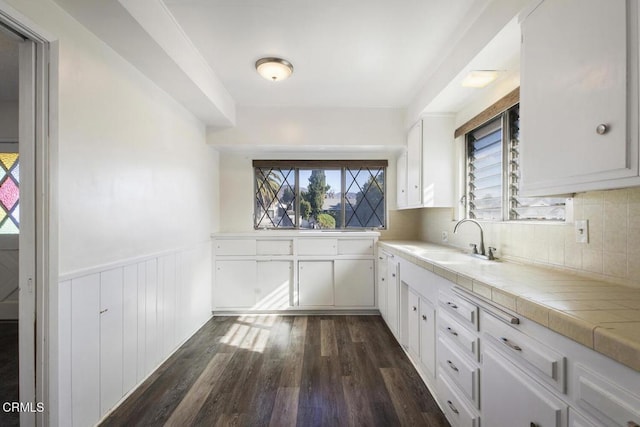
[393, 295]
[111, 338]
[315, 283]
[274, 279]
[235, 283]
[457, 411]
[354, 283]
[413, 324]
[428, 336]
[511, 398]
[381, 290]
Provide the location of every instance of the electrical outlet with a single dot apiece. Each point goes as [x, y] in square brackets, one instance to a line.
[445, 237]
[582, 230]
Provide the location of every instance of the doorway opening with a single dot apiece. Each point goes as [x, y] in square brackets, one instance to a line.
[24, 223]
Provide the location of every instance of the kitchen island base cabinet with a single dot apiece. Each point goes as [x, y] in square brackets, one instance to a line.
[315, 283]
[512, 398]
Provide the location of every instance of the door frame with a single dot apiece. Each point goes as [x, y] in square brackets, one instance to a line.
[38, 367]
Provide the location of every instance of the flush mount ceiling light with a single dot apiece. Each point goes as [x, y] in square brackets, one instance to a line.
[479, 78]
[274, 69]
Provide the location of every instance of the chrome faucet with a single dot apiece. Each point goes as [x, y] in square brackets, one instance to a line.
[475, 250]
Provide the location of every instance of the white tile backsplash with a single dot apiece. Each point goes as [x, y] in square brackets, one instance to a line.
[611, 254]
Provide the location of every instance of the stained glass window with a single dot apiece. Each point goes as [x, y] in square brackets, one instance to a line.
[9, 193]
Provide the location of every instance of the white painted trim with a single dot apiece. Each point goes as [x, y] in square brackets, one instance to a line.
[127, 261]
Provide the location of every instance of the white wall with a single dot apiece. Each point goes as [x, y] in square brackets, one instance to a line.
[303, 133]
[135, 177]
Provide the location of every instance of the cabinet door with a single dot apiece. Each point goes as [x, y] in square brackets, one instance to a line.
[568, 89]
[401, 180]
[354, 285]
[393, 296]
[511, 398]
[236, 284]
[414, 165]
[315, 283]
[413, 324]
[382, 285]
[428, 335]
[274, 285]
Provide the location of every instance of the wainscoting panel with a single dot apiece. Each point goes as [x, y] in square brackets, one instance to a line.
[119, 322]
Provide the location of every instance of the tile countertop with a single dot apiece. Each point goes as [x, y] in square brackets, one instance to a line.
[600, 315]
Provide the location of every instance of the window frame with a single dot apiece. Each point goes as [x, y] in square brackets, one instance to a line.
[489, 116]
[307, 165]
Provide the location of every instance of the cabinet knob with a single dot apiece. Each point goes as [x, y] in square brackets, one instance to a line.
[414, 308]
[424, 317]
[601, 129]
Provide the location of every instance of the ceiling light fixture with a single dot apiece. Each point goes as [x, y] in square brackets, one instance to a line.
[274, 69]
[479, 78]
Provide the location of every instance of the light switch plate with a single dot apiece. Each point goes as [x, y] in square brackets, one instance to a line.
[582, 230]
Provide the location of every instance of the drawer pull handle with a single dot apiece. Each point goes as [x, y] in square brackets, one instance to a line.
[453, 408]
[452, 332]
[424, 317]
[510, 344]
[452, 305]
[414, 308]
[104, 311]
[452, 366]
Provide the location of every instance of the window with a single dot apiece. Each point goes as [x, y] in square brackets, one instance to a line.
[493, 174]
[319, 194]
[9, 190]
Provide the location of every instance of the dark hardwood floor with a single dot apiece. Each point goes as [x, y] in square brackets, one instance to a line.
[284, 371]
[9, 388]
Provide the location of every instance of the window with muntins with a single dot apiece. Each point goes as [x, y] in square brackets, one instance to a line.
[493, 175]
[9, 193]
[319, 194]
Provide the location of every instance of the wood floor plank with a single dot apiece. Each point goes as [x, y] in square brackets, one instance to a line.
[192, 402]
[285, 371]
[285, 409]
[328, 344]
[407, 409]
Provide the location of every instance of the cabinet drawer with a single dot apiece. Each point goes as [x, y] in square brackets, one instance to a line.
[274, 247]
[544, 363]
[462, 372]
[607, 402]
[235, 247]
[462, 337]
[457, 411]
[460, 308]
[355, 247]
[317, 246]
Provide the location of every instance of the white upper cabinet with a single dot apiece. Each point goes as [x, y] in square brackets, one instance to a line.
[579, 96]
[425, 169]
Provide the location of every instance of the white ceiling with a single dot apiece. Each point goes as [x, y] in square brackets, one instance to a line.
[346, 53]
[352, 53]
